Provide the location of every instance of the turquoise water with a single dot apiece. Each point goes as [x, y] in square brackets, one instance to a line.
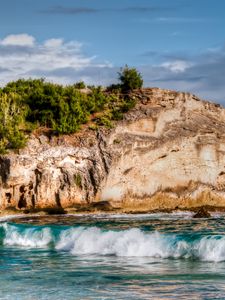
[116, 257]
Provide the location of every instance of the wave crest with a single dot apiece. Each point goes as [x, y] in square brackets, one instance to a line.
[132, 242]
[29, 237]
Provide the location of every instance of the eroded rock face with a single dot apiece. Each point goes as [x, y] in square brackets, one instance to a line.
[168, 152]
[46, 174]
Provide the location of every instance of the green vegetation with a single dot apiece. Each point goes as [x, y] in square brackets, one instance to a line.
[80, 85]
[12, 116]
[130, 79]
[29, 104]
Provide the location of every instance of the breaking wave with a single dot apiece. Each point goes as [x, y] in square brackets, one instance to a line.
[132, 242]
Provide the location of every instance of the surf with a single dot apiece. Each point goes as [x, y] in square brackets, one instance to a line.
[134, 242]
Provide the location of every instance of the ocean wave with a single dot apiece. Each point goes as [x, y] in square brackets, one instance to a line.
[130, 243]
[26, 237]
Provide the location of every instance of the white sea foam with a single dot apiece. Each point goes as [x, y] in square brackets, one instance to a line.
[29, 237]
[210, 248]
[132, 242]
[162, 216]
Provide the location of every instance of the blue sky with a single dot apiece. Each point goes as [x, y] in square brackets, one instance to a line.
[176, 44]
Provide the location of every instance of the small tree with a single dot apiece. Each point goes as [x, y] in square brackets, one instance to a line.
[12, 118]
[80, 85]
[130, 79]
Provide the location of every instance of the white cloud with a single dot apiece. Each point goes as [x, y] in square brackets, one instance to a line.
[56, 60]
[21, 56]
[51, 43]
[172, 20]
[177, 66]
[18, 40]
[179, 20]
[202, 74]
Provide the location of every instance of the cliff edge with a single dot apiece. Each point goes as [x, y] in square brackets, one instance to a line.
[167, 153]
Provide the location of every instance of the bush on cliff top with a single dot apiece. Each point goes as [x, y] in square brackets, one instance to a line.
[28, 104]
[130, 79]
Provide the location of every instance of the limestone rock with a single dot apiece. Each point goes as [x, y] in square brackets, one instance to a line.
[167, 153]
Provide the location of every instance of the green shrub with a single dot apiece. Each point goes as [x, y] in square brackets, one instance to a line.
[127, 104]
[117, 114]
[130, 79]
[114, 88]
[80, 85]
[12, 119]
[3, 145]
[28, 104]
[105, 120]
[97, 100]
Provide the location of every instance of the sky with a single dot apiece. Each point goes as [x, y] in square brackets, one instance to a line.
[175, 44]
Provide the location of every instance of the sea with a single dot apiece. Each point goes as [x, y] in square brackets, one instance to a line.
[106, 256]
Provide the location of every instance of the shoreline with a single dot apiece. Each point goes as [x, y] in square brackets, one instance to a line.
[11, 213]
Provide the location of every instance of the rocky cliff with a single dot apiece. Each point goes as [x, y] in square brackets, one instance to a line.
[167, 153]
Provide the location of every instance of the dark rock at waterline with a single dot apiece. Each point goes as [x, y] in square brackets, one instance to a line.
[48, 211]
[202, 213]
[102, 205]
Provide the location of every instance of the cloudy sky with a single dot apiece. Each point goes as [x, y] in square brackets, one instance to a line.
[176, 44]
